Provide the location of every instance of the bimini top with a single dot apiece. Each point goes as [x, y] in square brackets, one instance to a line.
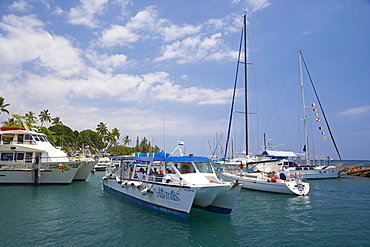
[168, 159]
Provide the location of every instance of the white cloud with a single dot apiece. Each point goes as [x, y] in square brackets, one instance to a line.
[195, 49]
[105, 62]
[255, 5]
[20, 6]
[174, 32]
[356, 111]
[27, 42]
[118, 35]
[85, 13]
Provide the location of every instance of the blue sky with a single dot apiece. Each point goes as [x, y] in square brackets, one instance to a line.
[165, 69]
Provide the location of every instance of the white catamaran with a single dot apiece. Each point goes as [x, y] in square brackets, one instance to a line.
[172, 184]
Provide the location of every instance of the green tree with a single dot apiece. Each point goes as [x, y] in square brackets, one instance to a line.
[126, 140]
[92, 139]
[3, 106]
[65, 137]
[102, 129]
[13, 121]
[56, 121]
[44, 117]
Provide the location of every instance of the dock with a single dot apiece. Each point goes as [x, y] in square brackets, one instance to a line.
[361, 170]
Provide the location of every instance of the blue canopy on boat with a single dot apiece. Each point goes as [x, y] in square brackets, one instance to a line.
[173, 159]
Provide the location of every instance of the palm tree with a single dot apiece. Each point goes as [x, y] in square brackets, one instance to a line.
[3, 106]
[126, 140]
[30, 117]
[102, 129]
[116, 134]
[56, 121]
[44, 117]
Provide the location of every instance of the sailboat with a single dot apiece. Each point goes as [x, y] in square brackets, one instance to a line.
[258, 173]
[308, 170]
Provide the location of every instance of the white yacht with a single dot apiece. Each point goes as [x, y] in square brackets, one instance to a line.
[28, 157]
[102, 164]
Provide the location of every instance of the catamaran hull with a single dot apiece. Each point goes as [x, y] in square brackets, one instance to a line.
[217, 198]
[171, 199]
[49, 173]
[225, 200]
[84, 170]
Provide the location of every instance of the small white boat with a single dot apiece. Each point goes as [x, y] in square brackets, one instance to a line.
[102, 164]
[28, 157]
[310, 172]
[172, 184]
[266, 179]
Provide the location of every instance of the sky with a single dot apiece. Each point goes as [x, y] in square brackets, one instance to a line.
[165, 70]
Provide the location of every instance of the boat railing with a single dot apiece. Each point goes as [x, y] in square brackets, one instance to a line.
[46, 165]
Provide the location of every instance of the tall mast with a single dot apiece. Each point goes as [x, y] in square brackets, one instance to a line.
[245, 85]
[306, 146]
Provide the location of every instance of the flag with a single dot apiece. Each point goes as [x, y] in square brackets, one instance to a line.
[316, 114]
[321, 128]
[323, 133]
[314, 109]
[304, 148]
[313, 104]
[317, 119]
[324, 138]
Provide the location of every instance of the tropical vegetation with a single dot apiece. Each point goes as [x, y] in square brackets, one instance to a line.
[99, 141]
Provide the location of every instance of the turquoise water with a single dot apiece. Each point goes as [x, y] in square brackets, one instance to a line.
[335, 213]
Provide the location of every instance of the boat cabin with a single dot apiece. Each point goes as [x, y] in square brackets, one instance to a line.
[153, 169]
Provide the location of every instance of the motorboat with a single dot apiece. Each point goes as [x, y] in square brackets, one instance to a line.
[310, 172]
[28, 157]
[102, 164]
[172, 184]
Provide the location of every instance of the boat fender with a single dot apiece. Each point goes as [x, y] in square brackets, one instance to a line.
[138, 186]
[145, 192]
[132, 184]
[167, 179]
[119, 182]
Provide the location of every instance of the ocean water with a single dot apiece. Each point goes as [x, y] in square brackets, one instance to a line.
[335, 213]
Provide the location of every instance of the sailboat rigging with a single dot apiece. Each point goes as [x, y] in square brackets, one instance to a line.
[257, 173]
[302, 62]
[243, 41]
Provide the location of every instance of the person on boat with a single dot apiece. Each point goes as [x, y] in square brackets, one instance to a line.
[241, 166]
[155, 172]
[282, 176]
[140, 174]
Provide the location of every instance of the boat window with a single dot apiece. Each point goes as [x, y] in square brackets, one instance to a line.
[28, 157]
[168, 167]
[20, 138]
[42, 138]
[204, 167]
[186, 167]
[6, 156]
[20, 156]
[36, 137]
[27, 137]
[8, 138]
